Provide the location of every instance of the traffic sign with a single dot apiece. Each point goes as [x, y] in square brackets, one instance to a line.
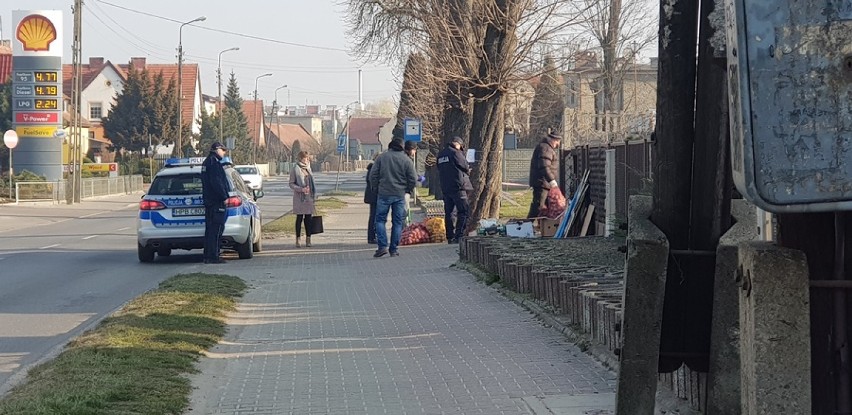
[341, 143]
[413, 129]
[10, 138]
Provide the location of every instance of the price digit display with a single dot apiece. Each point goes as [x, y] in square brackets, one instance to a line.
[46, 76]
[46, 104]
[46, 90]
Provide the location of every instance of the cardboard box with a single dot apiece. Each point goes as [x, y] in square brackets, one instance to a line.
[547, 227]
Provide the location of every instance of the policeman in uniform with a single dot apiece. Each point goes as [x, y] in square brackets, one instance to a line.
[214, 186]
[455, 184]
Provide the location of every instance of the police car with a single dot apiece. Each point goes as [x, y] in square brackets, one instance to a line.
[171, 214]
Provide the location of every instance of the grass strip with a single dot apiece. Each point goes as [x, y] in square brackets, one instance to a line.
[523, 198]
[137, 360]
[340, 193]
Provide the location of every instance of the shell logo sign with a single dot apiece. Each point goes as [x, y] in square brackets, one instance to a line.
[36, 32]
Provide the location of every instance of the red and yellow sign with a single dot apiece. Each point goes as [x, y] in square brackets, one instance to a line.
[36, 32]
[99, 167]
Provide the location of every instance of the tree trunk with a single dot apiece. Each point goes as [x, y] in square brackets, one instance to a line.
[487, 128]
[486, 174]
[457, 111]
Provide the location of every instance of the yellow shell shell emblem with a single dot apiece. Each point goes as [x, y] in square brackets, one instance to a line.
[36, 32]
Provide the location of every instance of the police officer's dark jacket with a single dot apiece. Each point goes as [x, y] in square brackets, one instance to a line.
[454, 170]
[214, 181]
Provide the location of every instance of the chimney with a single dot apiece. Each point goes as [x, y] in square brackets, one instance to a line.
[586, 60]
[137, 64]
[96, 61]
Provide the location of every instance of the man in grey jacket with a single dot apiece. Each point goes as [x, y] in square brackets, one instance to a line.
[392, 176]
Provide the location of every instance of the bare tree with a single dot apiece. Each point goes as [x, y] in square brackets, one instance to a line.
[548, 106]
[619, 30]
[476, 49]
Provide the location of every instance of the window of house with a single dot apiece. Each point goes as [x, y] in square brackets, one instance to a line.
[95, 110]
[91, 134]
[571, 93]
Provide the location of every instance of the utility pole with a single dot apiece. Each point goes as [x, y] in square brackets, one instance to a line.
[75, 158]
[179, 143]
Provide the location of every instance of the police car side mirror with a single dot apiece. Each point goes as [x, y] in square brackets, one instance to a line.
[258, 194]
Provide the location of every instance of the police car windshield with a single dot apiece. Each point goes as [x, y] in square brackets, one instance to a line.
[176, 184]
[246, 170]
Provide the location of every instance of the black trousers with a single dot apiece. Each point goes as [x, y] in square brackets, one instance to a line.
[307, 219]
[371, 224]
[460, 203]
[214, 226]
[539, 202]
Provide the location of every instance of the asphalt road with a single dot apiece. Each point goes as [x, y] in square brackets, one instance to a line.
[64, 268]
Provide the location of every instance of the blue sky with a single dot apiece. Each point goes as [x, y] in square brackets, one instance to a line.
[322, 71]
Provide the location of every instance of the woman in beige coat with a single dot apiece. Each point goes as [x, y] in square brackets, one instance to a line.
[304, 191]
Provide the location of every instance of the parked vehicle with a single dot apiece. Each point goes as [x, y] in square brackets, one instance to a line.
[251, 174]
[171, 214]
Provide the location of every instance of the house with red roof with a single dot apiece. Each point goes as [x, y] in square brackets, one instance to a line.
[102, 81]
[255, 120]
[368, 136]
[292, 136]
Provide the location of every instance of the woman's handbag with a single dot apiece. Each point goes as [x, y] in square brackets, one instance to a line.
[316, 225]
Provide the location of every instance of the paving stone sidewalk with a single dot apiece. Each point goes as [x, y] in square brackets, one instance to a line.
[332, 330]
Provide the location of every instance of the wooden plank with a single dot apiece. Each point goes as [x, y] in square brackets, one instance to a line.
[587, 221]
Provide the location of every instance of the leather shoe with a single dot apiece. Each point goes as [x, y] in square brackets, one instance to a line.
[394, 253]
[380, 253]
[371, 241]
[453, 241]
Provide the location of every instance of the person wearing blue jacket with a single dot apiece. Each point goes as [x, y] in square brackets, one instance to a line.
[214, 188]
[455, 184]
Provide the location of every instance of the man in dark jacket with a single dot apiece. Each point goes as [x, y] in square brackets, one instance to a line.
[214, 187]
[392, 176]
[543, 172]
[371, 198]
[455, 184]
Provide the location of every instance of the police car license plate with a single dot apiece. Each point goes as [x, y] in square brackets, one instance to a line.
[196, 211]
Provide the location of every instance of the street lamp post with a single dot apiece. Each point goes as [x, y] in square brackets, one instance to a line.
[348, 120]
[180, 82]
[254, 147]
[221, 107]
[275, 103]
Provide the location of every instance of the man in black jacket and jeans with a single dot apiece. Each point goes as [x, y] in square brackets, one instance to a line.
[455, 183]
[214, 188]
[543, 172]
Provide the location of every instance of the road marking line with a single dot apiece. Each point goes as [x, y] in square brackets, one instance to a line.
[90, 215]
[50, 246]
[90, 237]
[123, 229]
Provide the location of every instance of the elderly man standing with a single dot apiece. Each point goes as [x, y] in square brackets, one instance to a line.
[543, 172]
[392, 176]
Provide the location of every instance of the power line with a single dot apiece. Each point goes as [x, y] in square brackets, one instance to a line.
[247, 36]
